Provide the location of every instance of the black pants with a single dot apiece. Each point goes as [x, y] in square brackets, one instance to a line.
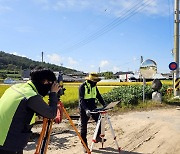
[84, 120]
[10, 152]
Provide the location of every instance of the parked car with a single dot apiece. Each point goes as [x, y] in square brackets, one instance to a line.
[132, 79]
[9, 81]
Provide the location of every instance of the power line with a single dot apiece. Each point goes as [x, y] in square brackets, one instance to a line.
[77, 34]
[126, 15]
[100, 28]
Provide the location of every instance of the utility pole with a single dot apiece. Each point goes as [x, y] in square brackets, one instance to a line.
[176, 47]
[140, 76]
[141, 59]
[99, 70]
[42, 57]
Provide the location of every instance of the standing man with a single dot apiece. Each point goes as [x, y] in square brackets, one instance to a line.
[18, 105]
[88, 93]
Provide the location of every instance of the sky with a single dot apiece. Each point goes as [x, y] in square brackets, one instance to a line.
[90, 35]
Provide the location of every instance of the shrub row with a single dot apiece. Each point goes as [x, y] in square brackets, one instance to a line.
[130, 95]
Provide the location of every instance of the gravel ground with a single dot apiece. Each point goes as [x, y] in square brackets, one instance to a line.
[146, 132]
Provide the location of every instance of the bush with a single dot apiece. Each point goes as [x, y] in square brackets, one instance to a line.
[130, 95]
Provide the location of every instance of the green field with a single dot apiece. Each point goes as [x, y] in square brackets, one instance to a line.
[70, 98]
[71, 93]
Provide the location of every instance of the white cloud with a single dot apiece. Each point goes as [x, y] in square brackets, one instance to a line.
[124, 8]
[104, 63]
[72, 4]
[44, 4]
[159, 8]
[5, 9]
[109, 7]
[71, 61]
[54, 59]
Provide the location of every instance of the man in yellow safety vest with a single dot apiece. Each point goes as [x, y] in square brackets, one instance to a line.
[88, 93]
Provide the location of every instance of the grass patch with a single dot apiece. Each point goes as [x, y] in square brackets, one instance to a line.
[142, 106]
[173, 101]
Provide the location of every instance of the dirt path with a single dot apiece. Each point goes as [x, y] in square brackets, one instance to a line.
[147, 132]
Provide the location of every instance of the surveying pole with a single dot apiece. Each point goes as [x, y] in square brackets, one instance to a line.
[176, 47]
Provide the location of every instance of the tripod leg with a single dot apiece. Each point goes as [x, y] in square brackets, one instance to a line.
[42, 135]
[102, 128]
[72, 124]
[113, 134]
[95, 133]
[48, 135]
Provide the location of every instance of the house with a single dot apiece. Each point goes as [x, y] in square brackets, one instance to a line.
[124, 76]
[71, 77]
[26, 75]
[159, 76]
[168, 76]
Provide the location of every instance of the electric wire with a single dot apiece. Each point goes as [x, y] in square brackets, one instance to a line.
[77, 34]
[100, 28]
[126, 15]
[104, 28]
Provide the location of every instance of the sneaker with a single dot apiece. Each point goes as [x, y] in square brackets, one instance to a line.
[99, 139]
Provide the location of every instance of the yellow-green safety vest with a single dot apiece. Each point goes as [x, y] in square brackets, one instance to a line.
[90, 92]
[9, 103]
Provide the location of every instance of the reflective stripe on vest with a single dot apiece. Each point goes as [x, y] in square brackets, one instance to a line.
[9, 103]
[89, 91]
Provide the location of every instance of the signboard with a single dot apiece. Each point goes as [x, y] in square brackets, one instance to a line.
[173, 66]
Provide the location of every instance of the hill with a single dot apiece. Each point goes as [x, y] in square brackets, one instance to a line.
[12, 62]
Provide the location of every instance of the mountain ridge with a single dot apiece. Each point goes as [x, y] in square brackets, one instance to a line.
[14, 62]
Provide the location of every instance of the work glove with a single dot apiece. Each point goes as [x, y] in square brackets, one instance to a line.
[88, 113]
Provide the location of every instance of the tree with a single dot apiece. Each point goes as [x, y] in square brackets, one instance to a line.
[107, 75]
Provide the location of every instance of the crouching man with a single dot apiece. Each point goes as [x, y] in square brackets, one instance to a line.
[18, 105]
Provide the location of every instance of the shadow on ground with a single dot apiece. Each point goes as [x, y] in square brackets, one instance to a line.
[110, 150]
[58, 143]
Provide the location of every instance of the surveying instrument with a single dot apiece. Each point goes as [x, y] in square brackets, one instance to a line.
[101, 122]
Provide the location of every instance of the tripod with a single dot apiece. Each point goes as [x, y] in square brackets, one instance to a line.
[101, 121]
[44, 138]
